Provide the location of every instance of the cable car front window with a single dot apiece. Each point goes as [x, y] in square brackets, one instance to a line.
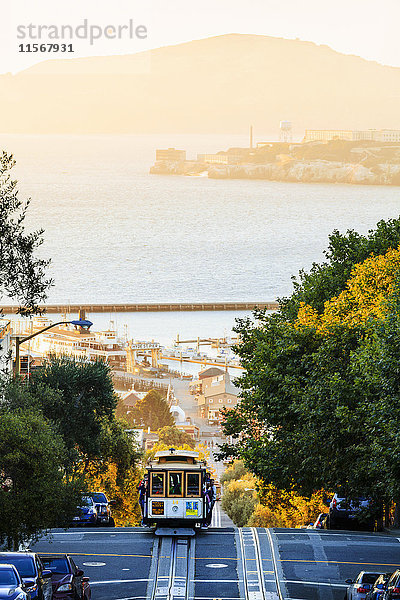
[157, 484]
[193, 485]
[175, 481]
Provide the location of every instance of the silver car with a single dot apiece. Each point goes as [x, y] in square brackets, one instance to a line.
[360, 587]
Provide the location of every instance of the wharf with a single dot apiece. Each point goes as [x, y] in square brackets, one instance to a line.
[146, 307]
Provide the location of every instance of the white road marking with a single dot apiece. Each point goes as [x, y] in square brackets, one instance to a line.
[216, 566]
[340, 585]
[216, 516]
[94, 564]
[110, 581]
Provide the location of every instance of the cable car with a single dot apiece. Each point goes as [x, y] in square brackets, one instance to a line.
[174, 492]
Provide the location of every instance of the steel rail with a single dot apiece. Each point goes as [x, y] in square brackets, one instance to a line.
[275, 565]
[172, 571]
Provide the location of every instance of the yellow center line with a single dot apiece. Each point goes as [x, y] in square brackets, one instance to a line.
[117, 555]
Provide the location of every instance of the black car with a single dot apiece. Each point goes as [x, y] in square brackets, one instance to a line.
[103, 508]
[348, 514]
[11, 584]
[37, 580]
[392, 589]
[68, 580]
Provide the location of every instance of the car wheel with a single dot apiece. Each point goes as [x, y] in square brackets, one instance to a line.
[111, 522]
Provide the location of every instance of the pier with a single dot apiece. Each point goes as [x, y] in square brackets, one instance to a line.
[147, 307]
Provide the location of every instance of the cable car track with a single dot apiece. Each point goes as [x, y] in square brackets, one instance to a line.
[172, 558]
[253, 570]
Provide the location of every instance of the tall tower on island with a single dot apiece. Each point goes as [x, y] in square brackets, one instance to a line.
[285, 131]
[251, 138]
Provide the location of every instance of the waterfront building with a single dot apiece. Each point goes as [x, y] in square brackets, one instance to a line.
[77, 342]
[216, 391]
[221, 158]
[170, 154]
[374, 135]
[5, 345]
[327, 135]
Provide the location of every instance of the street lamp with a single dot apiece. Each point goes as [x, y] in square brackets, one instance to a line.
[84, 323]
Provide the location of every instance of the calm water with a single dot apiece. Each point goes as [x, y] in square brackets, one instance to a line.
[117, 234]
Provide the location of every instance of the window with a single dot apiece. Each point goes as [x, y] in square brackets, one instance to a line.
[175, 484]
[24, 565]
[211, 401]
[229, 401]
[56, 564]
[193, 485]
[220, 400]
[8, 578]
[157, 484]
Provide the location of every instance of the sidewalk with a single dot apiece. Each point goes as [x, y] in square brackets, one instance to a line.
[393, 532]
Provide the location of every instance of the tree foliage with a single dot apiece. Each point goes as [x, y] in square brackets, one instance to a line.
[153, 411]
[250, 502]
[80, 404]
[321, 388]
[173, 437]
[33, 492]
[22, 273]
[239, 501]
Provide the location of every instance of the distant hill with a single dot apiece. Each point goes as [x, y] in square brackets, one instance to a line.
[219, 84]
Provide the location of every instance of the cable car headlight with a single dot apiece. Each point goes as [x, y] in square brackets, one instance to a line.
[175, 508]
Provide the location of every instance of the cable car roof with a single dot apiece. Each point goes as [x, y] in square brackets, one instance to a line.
[167, 458]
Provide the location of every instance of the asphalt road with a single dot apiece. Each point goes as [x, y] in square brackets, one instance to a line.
[226, 562]
[315, 565]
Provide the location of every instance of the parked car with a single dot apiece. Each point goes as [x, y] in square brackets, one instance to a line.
[377, 590]
[36, 579]
[68, 580]
[344, 513]
[320, 521]
[392, 589]
[87, 512]
[103, 508]
[11, 585]
[360, 587]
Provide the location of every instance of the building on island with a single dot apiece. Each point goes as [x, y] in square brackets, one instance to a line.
[216, 391]
[356, 135]
[221, 158]
[170, 154]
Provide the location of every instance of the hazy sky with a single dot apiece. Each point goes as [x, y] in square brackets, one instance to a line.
[368, 28]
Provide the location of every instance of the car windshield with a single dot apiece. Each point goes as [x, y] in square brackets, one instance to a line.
[99, 497]
[8, 578]
[370, 577]
[87, 501]
[24, 564]
[56, 564]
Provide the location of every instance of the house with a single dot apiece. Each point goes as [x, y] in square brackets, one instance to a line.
[5, 345]
[216, 391]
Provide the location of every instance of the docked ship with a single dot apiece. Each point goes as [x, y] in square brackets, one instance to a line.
[77, 342]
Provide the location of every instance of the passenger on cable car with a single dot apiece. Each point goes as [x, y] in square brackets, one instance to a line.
[210, 496]
[142, 489]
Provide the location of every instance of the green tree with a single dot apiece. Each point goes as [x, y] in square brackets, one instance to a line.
[22, 274]
[320, 393]
[153, 411]
[239, 501]
[79, 400]
[33, 494]
[236, 470]
[174, 437]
